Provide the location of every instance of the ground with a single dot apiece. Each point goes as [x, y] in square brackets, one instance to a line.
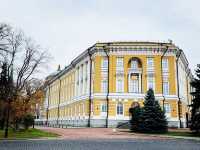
[30, 133]
[95, 133]
[99, 139]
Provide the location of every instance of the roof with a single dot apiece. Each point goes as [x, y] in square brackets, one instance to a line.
[55, 75]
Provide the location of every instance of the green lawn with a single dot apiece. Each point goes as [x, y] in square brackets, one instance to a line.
[176, 133]
[30, 133]
[170, 133]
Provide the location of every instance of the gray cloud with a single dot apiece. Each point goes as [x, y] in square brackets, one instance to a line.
[67, 27]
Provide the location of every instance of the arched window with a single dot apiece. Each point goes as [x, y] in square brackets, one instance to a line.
[120, 109]
[134, 64]
[135, 104]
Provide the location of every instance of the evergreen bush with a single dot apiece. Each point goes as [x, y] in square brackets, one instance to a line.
[153, 118]
[195, 112]
[28, 120]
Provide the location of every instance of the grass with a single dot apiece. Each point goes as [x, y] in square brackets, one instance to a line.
[177, 133]
[26, 134]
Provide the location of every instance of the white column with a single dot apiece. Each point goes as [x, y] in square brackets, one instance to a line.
[83, 77]
[79, 78]
[129, 77]
[76, 80]
[88, 76]
[140, 83]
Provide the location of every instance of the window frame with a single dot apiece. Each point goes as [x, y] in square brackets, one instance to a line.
[164, 88]
[119, 63]
[104, 63]
[134, 64]
[120, 109]
[150, 63]
[167, 108]
[165, 64]
[153, 83]
[104, 87]
[119, 87]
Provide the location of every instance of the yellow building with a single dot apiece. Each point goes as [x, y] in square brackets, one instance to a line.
[102, 83]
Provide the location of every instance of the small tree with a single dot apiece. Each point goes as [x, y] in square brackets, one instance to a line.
[136, 116]
[28, 120]
[195, 118]
[153, 118]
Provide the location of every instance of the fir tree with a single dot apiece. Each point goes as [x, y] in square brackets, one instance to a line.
[195, 118]
[153, 118]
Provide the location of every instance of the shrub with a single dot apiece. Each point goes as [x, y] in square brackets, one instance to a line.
[28, 120]
[136, 116]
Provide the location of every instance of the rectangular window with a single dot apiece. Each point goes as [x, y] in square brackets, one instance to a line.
[120, 64]
[150, 82]
[103, 107]
[104, 63]
[120, 85]
[165, 64]
[166, 88]
[104, 84]
[135, 86]
[167, 108]
[120, 109]
[150, 63]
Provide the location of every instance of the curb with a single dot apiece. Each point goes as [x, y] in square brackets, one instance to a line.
[174, 137]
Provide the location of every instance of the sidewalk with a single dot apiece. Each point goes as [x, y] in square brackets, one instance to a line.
[96, 133]
[107, 133]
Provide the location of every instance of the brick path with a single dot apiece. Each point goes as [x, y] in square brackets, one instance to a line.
[97, 133]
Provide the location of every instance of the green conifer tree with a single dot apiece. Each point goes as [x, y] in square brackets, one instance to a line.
[195, 118]
[153, 118]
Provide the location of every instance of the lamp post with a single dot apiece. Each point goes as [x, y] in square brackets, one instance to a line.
[178, 55]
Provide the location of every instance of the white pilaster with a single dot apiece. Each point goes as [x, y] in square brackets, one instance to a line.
[140, 83]
[88, 77]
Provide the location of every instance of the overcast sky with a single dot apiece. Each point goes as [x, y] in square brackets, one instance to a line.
[68, 27]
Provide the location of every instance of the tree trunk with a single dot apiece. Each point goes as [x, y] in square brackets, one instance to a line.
[2, 121]
[7, 120]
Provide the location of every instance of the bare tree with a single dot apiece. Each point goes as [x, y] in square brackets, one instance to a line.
[24, 59]
[32, 95]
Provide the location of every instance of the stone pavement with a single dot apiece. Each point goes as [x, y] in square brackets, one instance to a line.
[97, 133]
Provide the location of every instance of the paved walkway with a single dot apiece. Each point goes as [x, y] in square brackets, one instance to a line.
[96, 133]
